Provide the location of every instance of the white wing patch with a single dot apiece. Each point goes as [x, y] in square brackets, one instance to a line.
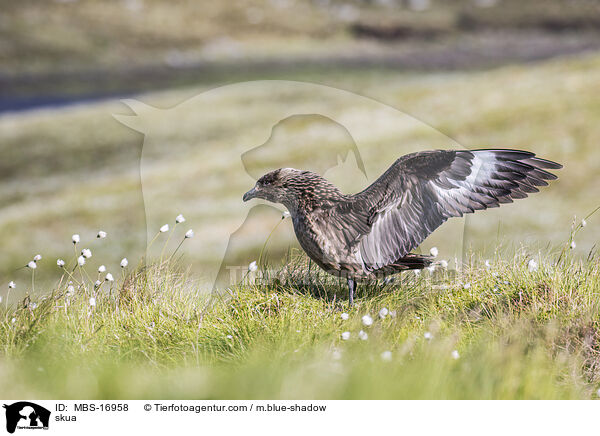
[495, 177]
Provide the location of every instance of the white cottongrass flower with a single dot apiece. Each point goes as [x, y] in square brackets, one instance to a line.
[189, 234]
[367, 320]
[101, 268]
[109, 277]
[532, 265]
[444, 264]
[253, 266]
[37, 257]
[455, 354]
[124, 262]
[487, 264]
[97, 283]
[179, 219]
[33, 305]
[75, 238]
[0, 298]
[346, 336]
[164, 228]
[86, 252]
[434, 251]
[467, 286]
[428, 336]
[229, 337]
[386, 356]
[11, 285]
[92, 301]
[101, 234]
[285, 215]
[60, 263]
[81, 261]
[583, 223]
[362, 335]
[383, 312]
[573, 245]
[70, 290]
[14, 320]
[431, 268]
[417, 272]
[345, 316]
[32, 265]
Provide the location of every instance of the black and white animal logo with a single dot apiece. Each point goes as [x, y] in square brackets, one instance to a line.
[26, 415]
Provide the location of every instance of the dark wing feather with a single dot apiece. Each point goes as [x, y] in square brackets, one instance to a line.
[420, 191]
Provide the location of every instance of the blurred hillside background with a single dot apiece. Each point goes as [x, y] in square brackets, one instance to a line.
[474, 73]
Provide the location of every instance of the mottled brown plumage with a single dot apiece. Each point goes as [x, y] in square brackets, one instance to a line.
[373, 231]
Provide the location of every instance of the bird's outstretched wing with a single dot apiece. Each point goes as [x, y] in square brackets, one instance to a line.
[420, 191]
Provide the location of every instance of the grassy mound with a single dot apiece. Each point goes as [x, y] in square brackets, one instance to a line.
[514, 329]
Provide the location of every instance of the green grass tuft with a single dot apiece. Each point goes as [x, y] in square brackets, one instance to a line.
[518, 334]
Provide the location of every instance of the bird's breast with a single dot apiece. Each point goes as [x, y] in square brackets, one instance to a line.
[323, 244]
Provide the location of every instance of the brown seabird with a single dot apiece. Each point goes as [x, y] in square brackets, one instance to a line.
[372, 232]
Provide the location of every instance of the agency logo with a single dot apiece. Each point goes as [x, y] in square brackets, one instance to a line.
[26, 415]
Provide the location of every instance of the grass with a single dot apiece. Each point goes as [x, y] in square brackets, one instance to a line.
[500, 332]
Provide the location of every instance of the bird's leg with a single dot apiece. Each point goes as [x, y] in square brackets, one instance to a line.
[351, 288]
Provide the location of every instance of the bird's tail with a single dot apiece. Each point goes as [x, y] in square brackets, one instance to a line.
[410, 261]
[415, 261]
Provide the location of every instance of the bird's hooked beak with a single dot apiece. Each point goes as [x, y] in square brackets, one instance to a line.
[250, 194]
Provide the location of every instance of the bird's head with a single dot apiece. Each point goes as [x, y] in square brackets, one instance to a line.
[273, 186]
[289, 187]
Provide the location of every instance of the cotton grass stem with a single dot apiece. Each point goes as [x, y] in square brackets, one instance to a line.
[175, 251]
[574, 231]
[162, 252]
[7, 295]
[152, 241]
[71, 276]
[260, 256]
